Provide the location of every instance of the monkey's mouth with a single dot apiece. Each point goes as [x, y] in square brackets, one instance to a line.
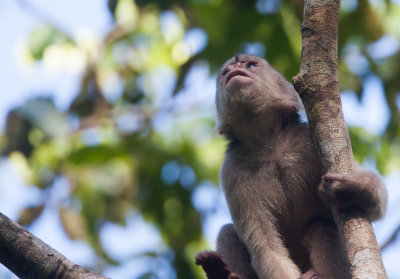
[235, 73]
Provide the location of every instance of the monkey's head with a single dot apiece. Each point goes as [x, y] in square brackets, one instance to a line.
[247, 85]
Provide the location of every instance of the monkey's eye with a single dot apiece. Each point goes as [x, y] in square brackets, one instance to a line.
[251, 64]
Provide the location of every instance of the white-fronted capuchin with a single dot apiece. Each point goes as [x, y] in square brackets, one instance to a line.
[279, 198]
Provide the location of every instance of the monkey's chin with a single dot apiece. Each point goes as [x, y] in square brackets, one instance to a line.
[238, 84]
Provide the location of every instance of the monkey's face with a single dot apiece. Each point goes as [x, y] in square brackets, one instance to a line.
[247, 85]
[239, 85]
[241, 76]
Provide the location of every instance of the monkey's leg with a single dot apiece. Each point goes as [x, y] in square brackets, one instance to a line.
[326, 252]
[234, 252]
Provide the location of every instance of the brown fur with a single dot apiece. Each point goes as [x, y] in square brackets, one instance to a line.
[271, 177]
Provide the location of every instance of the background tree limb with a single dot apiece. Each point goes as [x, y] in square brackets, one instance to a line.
[29, 257]
[318, 86]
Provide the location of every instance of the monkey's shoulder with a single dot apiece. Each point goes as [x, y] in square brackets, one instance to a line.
[290, 144]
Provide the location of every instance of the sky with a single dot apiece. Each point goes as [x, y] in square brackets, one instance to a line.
[20, 83]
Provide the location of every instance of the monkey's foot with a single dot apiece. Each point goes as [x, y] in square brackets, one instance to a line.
[311, 274]
[214, 266]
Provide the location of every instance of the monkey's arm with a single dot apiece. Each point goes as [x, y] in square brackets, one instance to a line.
[363, 190]
[269, 256]
[254, 200]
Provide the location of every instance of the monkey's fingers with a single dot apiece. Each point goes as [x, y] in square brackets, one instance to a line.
[338, 179]
[214, 266]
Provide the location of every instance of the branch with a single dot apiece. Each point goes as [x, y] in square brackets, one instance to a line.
[318, 86]
[43, 16]
[391, 239]
[29, 257]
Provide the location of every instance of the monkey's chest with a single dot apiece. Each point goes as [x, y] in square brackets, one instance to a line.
[269, 186]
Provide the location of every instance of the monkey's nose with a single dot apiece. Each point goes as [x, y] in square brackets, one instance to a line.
[235, 65]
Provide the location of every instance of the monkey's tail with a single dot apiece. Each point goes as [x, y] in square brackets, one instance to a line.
[214, 266]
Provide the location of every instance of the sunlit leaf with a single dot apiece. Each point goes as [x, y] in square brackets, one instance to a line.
[73, 223]
[30, 214]
[42, 37]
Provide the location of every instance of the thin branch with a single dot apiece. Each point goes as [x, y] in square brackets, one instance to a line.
[43, 16]
[391, 239]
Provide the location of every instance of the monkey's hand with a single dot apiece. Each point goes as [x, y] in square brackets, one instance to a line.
[363, 190]
[214, 266]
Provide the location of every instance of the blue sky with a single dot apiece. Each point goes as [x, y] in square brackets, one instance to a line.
[19, 83]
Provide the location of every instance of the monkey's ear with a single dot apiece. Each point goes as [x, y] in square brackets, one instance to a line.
[218, 129]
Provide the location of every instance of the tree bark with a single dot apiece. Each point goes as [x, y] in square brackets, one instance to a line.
[29, 257]
[318, 86]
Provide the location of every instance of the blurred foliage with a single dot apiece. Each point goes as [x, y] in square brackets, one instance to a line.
[109, 144]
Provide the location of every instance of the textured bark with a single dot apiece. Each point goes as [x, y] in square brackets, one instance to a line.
[29, 257]
[318, 86]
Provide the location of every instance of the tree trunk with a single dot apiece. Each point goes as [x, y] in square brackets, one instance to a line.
[318, 86]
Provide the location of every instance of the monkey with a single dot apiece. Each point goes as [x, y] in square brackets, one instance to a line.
[278, 195]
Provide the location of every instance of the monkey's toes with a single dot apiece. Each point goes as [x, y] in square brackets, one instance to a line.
[311, 274]
[214, 266]
[209, 257]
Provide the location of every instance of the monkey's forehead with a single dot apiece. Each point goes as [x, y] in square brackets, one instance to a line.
[242, 58]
